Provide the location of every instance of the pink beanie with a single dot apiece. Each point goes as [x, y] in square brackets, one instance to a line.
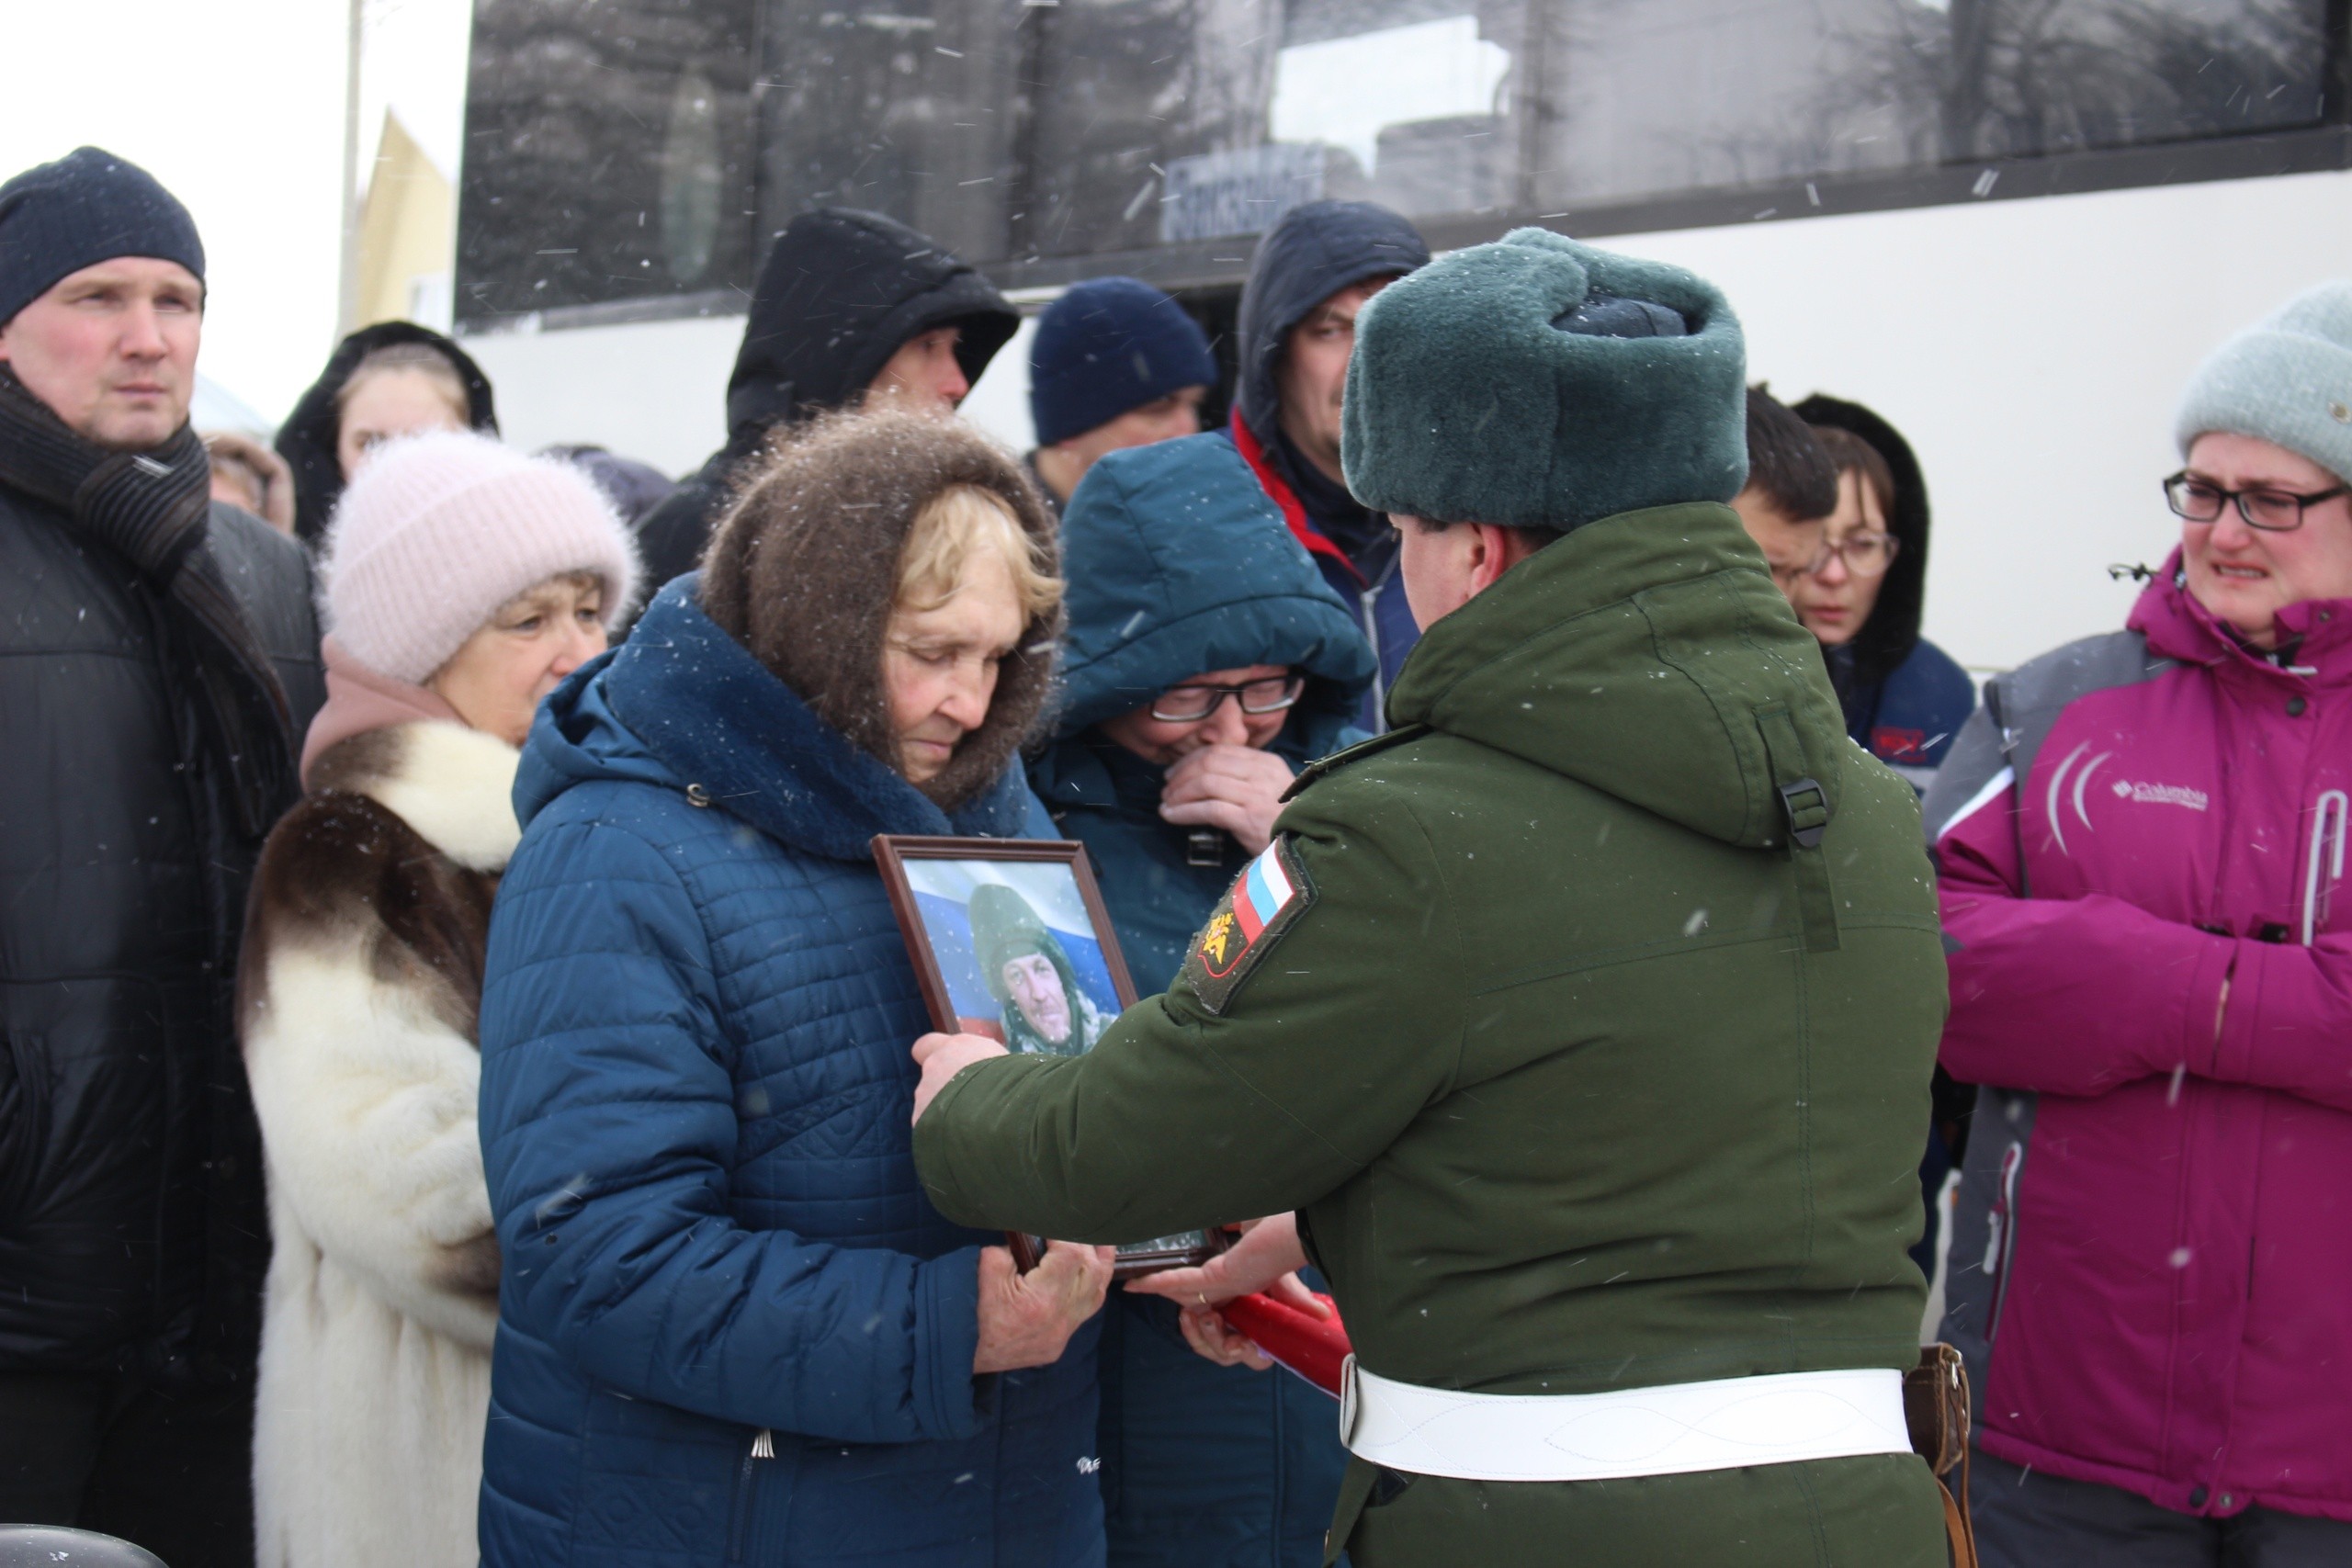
[438, 530]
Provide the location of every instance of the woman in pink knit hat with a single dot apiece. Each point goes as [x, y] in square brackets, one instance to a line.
[462, 581]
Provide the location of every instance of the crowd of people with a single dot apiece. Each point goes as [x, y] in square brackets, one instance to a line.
[465, 1096]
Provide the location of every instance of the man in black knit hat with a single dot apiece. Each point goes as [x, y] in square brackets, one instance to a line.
[158, 665]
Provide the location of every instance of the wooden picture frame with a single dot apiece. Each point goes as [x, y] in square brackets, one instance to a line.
[1048, 891]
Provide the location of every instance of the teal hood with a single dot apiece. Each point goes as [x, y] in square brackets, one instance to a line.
[1179, 563]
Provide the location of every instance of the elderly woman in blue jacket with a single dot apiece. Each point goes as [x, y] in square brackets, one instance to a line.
[731, 1328]
[1206, 661]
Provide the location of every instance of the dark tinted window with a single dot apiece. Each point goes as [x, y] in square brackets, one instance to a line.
[1668, 95]
[906, 108]
[607, 153]
[622, 149]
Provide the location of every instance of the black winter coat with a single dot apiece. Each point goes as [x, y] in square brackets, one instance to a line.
[132, 1231]
[837, 295]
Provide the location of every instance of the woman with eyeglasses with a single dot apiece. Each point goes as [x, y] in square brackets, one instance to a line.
[2141, 840]
[1905, 699]
[1865, 592]
[1205, 662]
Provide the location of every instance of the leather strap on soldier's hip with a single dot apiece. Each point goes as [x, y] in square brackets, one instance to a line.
[1671, 1429]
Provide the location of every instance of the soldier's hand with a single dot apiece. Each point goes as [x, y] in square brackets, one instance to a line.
[1027, 1319]
[942, 1057]
[1265, 1259]
[1237, 788]
[1210, 1336]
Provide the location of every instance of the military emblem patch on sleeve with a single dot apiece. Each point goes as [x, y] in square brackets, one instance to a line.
[1263, 903]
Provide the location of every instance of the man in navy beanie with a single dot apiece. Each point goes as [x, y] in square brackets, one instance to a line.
[1115, 363]
[158, 665]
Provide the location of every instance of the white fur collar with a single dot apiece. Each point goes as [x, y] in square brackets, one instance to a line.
[455, 787]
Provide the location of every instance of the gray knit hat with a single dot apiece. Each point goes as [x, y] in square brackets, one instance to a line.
[1539, 383]
[2288, 380]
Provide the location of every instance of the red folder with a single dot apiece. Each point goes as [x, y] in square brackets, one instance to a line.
[1313, 1347]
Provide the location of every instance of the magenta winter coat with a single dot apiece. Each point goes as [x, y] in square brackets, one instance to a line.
[2152, 1269]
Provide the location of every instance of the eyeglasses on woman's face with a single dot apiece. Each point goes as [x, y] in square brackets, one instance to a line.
[2272, 511]
[1866, 554]
[1190, 702]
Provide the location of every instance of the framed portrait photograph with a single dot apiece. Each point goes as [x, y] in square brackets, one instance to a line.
[1011, 941]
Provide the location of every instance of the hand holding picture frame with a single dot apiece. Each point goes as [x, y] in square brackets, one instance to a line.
[1011, 941]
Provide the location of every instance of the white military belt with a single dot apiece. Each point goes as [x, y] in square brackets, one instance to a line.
[1672, 1429]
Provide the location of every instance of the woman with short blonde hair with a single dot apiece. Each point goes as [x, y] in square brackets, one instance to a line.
[746, 1334]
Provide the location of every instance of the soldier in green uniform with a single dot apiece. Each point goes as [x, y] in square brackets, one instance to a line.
[1586, 1019]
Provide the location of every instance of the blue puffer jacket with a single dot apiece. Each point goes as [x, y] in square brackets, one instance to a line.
[695, 1109]
[1179, 563]
[1908, 720]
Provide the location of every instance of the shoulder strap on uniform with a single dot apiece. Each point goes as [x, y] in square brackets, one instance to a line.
[1361, 750]
[1805, 805]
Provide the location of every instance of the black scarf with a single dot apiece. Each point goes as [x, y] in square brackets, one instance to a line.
[152, 509]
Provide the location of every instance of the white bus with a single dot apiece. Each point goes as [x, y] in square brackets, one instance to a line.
[2012, 227]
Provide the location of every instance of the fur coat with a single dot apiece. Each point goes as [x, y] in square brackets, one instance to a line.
[361, 979]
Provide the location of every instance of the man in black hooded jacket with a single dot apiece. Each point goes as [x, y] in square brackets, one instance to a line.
[1312, 271]
[842, 295]
[158, 665]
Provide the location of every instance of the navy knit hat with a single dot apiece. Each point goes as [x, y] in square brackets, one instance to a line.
[86, 208]
[1108, 346]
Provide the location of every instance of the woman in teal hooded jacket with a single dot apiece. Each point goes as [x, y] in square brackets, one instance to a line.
[1183, 573]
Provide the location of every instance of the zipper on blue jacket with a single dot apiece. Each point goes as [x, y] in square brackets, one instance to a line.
[762, 1447]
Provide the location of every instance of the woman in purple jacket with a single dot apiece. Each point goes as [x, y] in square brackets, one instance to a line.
[2141, 838]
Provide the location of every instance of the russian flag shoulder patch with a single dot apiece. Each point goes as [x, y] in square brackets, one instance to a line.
[1263, 903]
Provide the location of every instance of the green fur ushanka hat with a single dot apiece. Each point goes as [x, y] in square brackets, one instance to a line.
[1539, 383]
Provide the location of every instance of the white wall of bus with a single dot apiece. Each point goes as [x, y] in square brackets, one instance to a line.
[2031, 350]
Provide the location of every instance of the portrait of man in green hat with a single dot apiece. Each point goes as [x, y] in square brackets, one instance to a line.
[1046, 1012]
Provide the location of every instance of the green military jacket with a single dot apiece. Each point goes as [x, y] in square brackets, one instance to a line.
[1592, 1040]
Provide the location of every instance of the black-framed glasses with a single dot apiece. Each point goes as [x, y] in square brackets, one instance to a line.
[2272, 511]
[1865, 554]
[1186, 704]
